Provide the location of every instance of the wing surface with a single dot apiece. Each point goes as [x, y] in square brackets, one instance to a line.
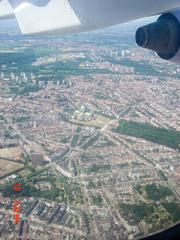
[6, 9]
[69, 16]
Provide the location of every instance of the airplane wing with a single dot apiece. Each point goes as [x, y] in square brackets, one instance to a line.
[6, 9]
[68, 16]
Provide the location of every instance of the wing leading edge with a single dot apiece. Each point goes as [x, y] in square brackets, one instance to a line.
[69, 16]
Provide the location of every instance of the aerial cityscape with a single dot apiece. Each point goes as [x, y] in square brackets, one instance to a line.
[89, 137]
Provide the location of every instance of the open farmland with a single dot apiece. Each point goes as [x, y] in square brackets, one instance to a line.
[13, 153]
[7, 167]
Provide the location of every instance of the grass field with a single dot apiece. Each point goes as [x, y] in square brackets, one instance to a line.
[13, 153]
[7, 167]
[99, 122]
[24, 172]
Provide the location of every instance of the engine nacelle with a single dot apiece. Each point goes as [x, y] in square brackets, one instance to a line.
[162, 36]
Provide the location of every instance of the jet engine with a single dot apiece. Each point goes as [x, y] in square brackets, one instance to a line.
[162, 36]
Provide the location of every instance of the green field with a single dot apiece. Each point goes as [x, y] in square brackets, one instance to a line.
[167, 137]
[99, 122]
[8, 167]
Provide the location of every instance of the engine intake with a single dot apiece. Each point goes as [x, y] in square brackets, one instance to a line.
[162, 36]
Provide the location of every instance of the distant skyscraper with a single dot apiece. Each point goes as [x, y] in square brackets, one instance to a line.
[12, 76]
[2, 75]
